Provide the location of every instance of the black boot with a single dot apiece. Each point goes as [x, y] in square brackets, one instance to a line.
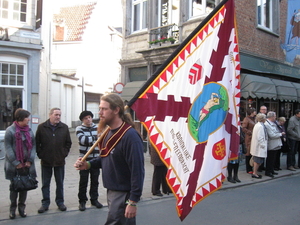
[21, 209]
[12, 213]
[229, 169]
[248, 167]
[21, 204]
[13, 204]
[82, 205]
[235, 172]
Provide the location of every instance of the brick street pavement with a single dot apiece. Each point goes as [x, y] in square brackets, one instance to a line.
[71, 185]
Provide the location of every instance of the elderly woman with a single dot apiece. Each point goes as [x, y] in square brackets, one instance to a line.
[20, 153]
[274, 143]
[247, 128]
[259, 142]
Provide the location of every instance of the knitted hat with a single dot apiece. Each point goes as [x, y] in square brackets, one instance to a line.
[85, 113]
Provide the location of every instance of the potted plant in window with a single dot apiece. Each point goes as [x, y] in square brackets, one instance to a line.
[154, 43]
[172, 40]
[163, 41]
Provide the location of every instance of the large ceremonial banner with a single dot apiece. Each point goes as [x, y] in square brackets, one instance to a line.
[190, 108]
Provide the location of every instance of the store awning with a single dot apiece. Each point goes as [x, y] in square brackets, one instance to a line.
[285, 90]
[130, 89]
[257, 87]
[297, 86]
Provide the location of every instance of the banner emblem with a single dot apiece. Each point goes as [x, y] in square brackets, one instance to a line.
[208, 112]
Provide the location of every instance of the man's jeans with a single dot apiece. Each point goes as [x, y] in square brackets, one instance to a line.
[290, 158]
[59, 174]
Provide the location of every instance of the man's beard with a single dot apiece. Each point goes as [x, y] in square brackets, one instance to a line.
[101, 126]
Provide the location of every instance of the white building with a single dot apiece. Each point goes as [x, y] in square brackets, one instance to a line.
[85, 59]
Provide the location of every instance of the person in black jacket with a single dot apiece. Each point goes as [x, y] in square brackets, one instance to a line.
[53, 143]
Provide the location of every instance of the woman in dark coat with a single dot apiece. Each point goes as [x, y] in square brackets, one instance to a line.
[247, 127]
[20, 154]
[159, 173]
[281, 128]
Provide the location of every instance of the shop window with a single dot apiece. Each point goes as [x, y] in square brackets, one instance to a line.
[268, 15]
[272, 105]
[11, 100]
[13, 10]
[286, 110]
[11, 89]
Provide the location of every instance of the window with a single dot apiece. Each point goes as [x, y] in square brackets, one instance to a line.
[137, 74]
[94, 108]
[139, 15]
[267, 15]
[12, 74]
[13, 10]
[168, 12]
[201, 7]
[12, 77]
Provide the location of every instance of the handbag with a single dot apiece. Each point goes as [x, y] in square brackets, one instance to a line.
[285, 148]
[251, 162]
[23, 181]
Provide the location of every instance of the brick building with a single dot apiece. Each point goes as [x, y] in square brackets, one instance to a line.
[268, 49]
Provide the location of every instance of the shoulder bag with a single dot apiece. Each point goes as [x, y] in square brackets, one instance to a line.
[23, 181]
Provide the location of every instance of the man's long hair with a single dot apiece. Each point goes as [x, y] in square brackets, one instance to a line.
[115, 101]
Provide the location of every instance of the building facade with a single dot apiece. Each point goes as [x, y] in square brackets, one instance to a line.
[20, 55]
[268, 43]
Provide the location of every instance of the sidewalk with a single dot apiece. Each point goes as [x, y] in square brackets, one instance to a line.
[72, 178]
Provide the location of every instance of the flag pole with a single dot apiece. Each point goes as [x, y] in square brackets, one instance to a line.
[95, 144]
[98, 140]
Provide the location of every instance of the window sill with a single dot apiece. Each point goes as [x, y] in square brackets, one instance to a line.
[19, 25]
[267, 30]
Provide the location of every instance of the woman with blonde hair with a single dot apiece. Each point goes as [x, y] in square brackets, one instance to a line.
[259, 143]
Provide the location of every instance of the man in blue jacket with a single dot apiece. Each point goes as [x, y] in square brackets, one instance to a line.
[122, 159]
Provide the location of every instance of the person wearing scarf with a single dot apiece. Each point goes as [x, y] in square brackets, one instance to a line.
[20, 154]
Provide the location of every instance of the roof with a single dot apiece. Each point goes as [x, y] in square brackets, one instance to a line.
[64, 72]
[71, 21]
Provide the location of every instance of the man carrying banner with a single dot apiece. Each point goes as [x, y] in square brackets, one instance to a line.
[122, 160]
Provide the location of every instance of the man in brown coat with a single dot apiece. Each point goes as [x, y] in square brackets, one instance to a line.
[247, 128]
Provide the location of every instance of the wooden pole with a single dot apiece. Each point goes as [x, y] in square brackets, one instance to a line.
[95, 145]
